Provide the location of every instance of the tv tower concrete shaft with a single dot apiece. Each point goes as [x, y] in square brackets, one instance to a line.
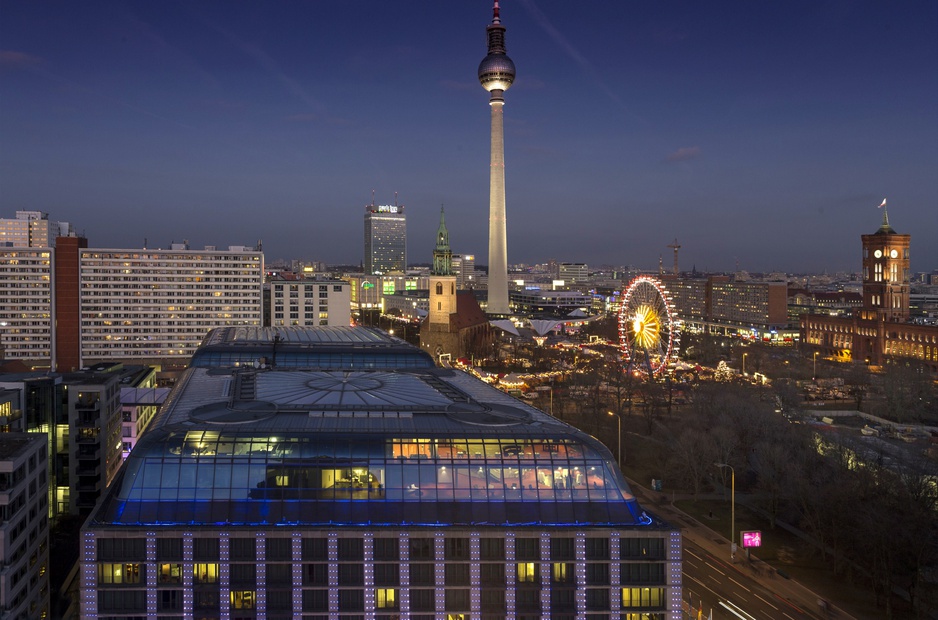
[498, 242]
[496, 73]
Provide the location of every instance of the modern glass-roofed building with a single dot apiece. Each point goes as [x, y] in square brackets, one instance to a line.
[344, 348]
[333, 490]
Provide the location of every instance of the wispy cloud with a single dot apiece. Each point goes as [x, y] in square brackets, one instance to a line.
[683, 154]
[13, 60]
[568, 48]
[272, 68]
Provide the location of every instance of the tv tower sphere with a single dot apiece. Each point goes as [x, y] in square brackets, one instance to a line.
[496, 71]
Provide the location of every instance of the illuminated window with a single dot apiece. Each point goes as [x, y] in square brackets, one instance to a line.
[170, 573]
[642, 597]
[386, 598]
[562, 572]
[242, 599]
[119, 573]
[205, 573]
[527, 572]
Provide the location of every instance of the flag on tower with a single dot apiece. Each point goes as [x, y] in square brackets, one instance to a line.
[883, 204]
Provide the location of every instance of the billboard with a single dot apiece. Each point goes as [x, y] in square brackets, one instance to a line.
[751, 538]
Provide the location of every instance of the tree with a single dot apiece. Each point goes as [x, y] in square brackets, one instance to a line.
[692, 458]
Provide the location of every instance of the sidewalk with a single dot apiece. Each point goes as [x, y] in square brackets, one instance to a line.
[785, 588]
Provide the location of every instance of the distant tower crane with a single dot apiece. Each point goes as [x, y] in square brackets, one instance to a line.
[675, 246]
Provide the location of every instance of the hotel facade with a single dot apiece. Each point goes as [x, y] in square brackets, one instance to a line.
[340, 474]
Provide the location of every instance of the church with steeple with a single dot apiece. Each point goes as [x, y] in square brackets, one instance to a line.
[455, 325]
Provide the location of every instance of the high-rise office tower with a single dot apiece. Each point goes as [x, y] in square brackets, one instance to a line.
[32, 229]
[385, 239]
[496, 73]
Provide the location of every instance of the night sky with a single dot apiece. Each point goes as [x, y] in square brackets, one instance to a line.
[760, 132]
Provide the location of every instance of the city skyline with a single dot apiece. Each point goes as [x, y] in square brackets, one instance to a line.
[765, 134]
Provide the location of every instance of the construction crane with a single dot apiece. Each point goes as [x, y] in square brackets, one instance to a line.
[675, 246]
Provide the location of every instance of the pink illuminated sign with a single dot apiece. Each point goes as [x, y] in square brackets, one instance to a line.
[752, 539]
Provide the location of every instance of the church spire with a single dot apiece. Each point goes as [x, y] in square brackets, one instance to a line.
[442, 255]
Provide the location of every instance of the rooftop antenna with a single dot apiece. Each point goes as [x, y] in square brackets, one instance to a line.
[395, 199]
[372, 198]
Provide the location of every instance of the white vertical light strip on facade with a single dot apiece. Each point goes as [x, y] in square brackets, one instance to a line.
[439, 569]
[580, 550]
[260, 595]
[674, 578]
[368, 543]
[296, 553]
[89, 568]
[151, 574]
[188, 569]
[475, 578]
[546, 572]
[511, 575]
[332, 549]
[615, 577]
[404, 547]
[224, 574]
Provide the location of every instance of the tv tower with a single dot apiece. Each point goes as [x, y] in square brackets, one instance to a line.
[496, 73]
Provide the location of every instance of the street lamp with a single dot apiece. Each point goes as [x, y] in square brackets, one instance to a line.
[744, 363]
[815, 366]
[619, 451]
[732, 508]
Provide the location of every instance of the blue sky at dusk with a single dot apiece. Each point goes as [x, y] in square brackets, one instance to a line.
[761, 132]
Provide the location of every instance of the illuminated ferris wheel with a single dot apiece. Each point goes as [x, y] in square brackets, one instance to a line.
[649, 330]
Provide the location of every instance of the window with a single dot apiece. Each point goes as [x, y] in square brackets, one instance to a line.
[205, 548]
[457, 599]
[493, 574]
[597, 599]
[315, 549]
[386, 598]
[492, 549]
[351, 549]
[242, 599]
[119, 573]
[205, 573]
[527, 572]
[457, 574]
[387, 574]
[642, 548]
[279, 549]
[642, 597]
[527, 549]
[562, 572]
[242, 549]
[597, 548]
[457, 549]
[422, 575]
[169, 573]
[562, 549]
[597, 574]
[387, 549]
[351, 574]
[421, 549]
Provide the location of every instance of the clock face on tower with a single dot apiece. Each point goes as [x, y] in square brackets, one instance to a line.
[878, 253]
[893, 253]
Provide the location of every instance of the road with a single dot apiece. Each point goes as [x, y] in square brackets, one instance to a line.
[730, 590]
